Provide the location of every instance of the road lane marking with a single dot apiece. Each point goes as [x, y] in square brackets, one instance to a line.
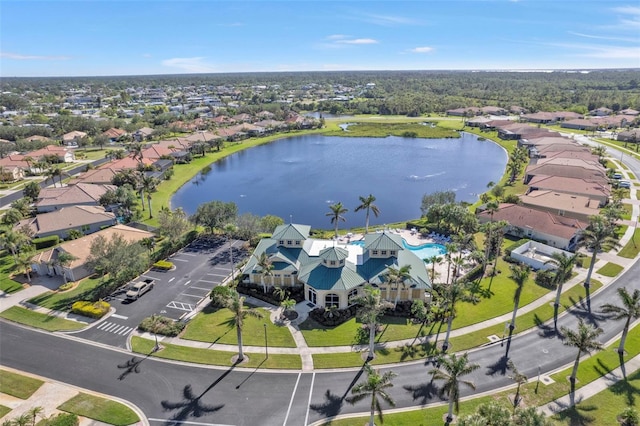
[192, 295]
[185, 422]
[187, 283]
[173, 278]
[188, 254]
[119, 316]
[205, 281]
[293, 394]
[180, 260]
[306, 418]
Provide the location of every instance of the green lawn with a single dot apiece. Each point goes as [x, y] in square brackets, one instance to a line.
[62, 301]
[216, 326]
[4, 411]
[18, 385]
[632, 176]
[38, 320]
[213, 357]
[100, 409]
[7, 266]
[610, 270]
[373, 129]
[627, 211]
[631, 249]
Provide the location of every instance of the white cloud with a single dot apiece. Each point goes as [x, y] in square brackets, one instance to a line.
[337, 37]
[389, 20]
[631, 18]
[21, 57]
[602, 51]
[196, 64]
[423, 49]
[629, 39]
[358, 41]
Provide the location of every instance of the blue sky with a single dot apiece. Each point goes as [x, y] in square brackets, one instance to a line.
[75, 38]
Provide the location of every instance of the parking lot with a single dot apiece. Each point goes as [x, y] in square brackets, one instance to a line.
[199, 267]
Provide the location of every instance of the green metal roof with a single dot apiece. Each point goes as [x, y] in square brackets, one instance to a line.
[320, 277]
[383, 241]
[291, 232]
[333, 253]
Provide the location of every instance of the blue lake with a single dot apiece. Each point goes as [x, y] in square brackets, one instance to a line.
[298, 178]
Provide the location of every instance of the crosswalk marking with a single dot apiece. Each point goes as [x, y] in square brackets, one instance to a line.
[115, 328]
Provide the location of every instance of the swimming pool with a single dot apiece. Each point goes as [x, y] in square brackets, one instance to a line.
[423, 251]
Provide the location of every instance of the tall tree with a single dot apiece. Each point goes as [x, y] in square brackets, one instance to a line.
[32, 190]
[492, 207]
[397, 278]
[366, 203]
[451, 368]
[337, 210]
[563, 269]
[584, 338]
[433, 261]
[235, 303]
[599, 235]
[375, 387]
[215, 214]
[519, 275]
[519, 378]
[371, 307]
[452, 293]
[63, 260]
[628, 310]
[23, 262]
[266, 269]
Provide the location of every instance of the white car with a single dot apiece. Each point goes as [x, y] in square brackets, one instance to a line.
[138, 289]
[624, 184]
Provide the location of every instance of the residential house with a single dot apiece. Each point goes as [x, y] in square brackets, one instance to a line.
[478, 122]
[632, 135]
[601, 112]
[629, 111]
[143, 134]
[127, 163]
[562, 204]
[12, 168]
[64, 155]
[86, 219]
[71, 138]
[579, 124]
[100, 176]
[114, 133]
[464, 112]
[556, 231]
[81, 194]
[517, 131]
[493, 110]
[567, 167]
[38, 138]
[582, 187]
[332, 273]
[44, 263]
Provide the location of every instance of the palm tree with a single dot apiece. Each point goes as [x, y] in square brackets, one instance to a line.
[492, 207]
[433, 260]
[629, 310]
[452, 293]
[266, 269]
[371, 307]
[64, 259]
[450, 369]
[519, 275]
[337, 210]
[366, 203]
[584, 339]
[564, 268]
[597, 236]
[374, 386]
[148, 185]
[397, 277]
[34, 412]
[519, 378]
[13, 241]
[235, 303]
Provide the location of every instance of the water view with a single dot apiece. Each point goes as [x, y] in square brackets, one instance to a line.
[298, 178]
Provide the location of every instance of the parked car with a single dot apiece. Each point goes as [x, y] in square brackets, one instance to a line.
[624, 184]
[139, 288]
[617, 175]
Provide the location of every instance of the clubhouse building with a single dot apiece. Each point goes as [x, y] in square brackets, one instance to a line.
[331, 272]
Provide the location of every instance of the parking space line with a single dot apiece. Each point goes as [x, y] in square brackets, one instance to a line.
[172, 278]
[218, 275]
[179, 260]
[188, 254]
[119, 316]
[293, 394]
[306, 418]
[200, 288]
[175, 304]
[191, 295]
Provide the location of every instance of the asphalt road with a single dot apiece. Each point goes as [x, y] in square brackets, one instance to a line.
[173, 393]
[198, 268]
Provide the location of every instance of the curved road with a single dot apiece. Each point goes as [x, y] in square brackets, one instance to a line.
[174, 393]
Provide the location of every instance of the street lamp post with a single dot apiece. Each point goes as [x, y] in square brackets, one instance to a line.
[266, 346]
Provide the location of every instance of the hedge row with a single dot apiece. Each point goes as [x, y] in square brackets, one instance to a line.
[90, 309]
[163, 264]
[46, 242]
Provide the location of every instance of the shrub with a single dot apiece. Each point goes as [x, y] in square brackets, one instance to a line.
[545, 278]
[90, 309]
[629, 417]
[163, 264]
[255, 290]
[161, 325]
[332, 317]
[62, 419]
[46, 242]
[65, 287]
[219, 294]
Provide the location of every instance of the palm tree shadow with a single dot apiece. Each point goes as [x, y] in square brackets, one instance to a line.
[333, 402]
[131, 366]
[501, 366]
[545, 330]
[423, 392]
[191, 405]
[627, 388]
[574, 412]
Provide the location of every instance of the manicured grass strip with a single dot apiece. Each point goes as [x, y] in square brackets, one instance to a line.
[4, 411]
[604, 407]
[18, 385]
[216, 326]
[631, 249]
[537, 395]
[38, 320]
[631, 176]
[100, 409]
[7, 266]
[63, 300]
[610, 270]
[627, 211]
[213, 357]
[10, 286]
[570, 297]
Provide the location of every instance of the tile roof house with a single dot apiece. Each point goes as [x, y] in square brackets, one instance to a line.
[44, 262]
[556, 231]
[81, 194]
[602, 111]
[464, 112]
[567, 167]
[71, 138]
[64, 155]
[629, 111]
[114, 133]
[561, 204]
[629, 136]
[86, 219]
[521, 131]
[99, 176]
[493, 110]
[143, 134]
[579, 124]
[126, 163]
[12, 168]
[593, 190]
[331, 272]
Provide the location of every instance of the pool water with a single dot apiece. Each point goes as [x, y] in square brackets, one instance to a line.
[423, 251]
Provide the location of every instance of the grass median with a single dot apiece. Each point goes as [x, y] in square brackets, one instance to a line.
[632, 248]
[213, 357]
[100, 409]
[18, 385]
[38, 320]
[610, 270]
